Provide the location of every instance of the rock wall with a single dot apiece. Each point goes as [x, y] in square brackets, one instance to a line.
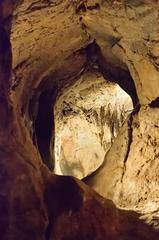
[129, 175]
[125, 177]
[88, 116]
[127, 34]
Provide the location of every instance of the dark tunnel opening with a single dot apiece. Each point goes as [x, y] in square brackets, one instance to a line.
[44, 127]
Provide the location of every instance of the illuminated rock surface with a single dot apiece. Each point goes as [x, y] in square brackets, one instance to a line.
[88, 116]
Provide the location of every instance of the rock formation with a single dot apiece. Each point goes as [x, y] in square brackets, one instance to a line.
[88, 116]
[129, 175]
[54, 42]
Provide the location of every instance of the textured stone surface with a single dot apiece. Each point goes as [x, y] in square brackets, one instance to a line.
[40, 34]
[127, 33]
[88, 116]
[88, 216]
[130, 173]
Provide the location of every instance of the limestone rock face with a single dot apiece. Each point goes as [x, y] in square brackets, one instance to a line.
[88, 116]
[127, 34]
[130, 173]
[42, 47]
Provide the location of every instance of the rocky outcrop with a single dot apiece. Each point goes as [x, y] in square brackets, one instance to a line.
[88, 116]
[78, 213]
[41, 50]
[129, 175]
[34, 203]
[40, 56]
[127, 34]
[123, 43]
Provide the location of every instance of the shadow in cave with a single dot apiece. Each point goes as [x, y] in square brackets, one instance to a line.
[155, 103]
[68, 205]
[44, 126]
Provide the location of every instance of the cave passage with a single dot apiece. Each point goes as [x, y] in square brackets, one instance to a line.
[76, 128]
[57, 148]
[87, 116]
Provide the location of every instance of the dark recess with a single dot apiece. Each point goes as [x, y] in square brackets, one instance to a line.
[61, 195]
[113, 73]
[155, 103]
[44, 126]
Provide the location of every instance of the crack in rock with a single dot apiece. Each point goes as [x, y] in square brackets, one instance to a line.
[130, 139]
